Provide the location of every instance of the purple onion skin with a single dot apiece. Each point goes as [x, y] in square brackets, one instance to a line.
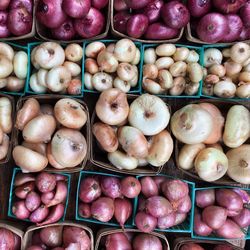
[120, 5]
[137, 25]
[32, 201]
[243, 219]
[205, 198]
[27, 4]
[145, 222]
[64, 32]
[199, 8]
[111, 187]
[99, 4]
[120, 21]
[4, 4]
[200, 227]
[39, 214]
[166, 221]
[135, 4]
[149, 187]
[212, 27]
[153, 10]
[242, 193]
[4, 31]
[20, 211]
[245, 35]
[180, 217]
[245, 14]
[228, 6]
[76, 8]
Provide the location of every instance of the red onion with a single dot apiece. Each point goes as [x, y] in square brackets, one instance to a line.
[90, 190]
[200, 227]
[214, 216]
[230, 230]
[175, 190]
[117, 241]
[50, 13]
[4, 4]
[145, 222]
[235, 28]
[99, 4]
[232, 213]
[35, 248]
[137, 25]
[153, 10]
[23, 190]
[205, 198]
[45, 182]
[7, 240]
[212, 27]
[76, 235]
[21, 179]
[245, 14]
[148, 187]
[17, 240]
[60, 177]
[223, 247]
[32, 201]
[47, 197]
[130, 187]
[111, 187]
[27, 4]
[228, 6]
[91, 25]
[72, 246]
[76, 8]
[183, 205]
[175, 14]
[191, 246]
[20, 211]
[245, 34]
[243, 219]
[39, 214]
[198, 8]
[243, 194]
[51, 236]
[103, 209]
[158, 206]
[120, 5]
[166, 221]
[135, 4]
[36, 240]
[123, 210]
[84, 210]
[147, 242]
[159, 180]
[60, 195]
[4, 31]
[179, 218]
[160, 31]
[65, 31]
[141, 203]
[120, 21]
[19, 21]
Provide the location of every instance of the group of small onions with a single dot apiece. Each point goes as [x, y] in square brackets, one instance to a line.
[203, 128]
[13, 68]
[227, 72]
[40, 198]
[199, 246]
[5, 126]
[51, 135]
[164, 203]
[135, 135]
[107, 197]
[130, 240]
[60, 237]
[222, 211]
[111, 66]
[171, 70]
[56, 70]
[9, 239]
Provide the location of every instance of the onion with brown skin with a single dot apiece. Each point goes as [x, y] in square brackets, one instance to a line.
[5, 115]
[37, 147]
[51, 158]
[4, 146]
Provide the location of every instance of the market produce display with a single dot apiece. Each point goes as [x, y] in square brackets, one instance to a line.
[39, 198]
[196, 246]
[227, 71]
[222, 211]
[51, 134]
[111, 65]
[172, 70]
[9, 239]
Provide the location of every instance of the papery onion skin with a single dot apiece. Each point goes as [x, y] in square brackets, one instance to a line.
[76, 8]
[20, 211]
[244, 14]
[84, 210]
[130, 187]
[134, 4]
[200, 227]
[90, 190]
[192, 246]
[183, 205]
[39, 214]
[147, 242]
[227, 7]
[199, 8]
[7, 240]
[4, 31]
[51, 236]
[145, 222]
[103, 209]
[32, 201]
[121, 20]
[22, 191]
[153, 10]
[65, 31]
[148, 186]
[166, 221]
[137, 25]
[123, 210]
[45, 182]
[180, 217]
[117, 241]
[4, 4]
[245, 196]
[205, 198]
[243, 219]
[111, 186]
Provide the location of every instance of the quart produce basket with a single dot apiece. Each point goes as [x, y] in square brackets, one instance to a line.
[107, 231]
[100, 159]
[11, 134]
[199, 50]
[44, 33]
[134, 90]
[18, 47]
[112, 222]
[29, 232]
[85, 130]
[213, 236]
[28, 90]
[12, 195]
[223, 106]
[119, 34]
[187, 225]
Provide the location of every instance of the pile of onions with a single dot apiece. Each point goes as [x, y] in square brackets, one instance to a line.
[70, 19]
[130, 240]
[52, 135]
[111, 65]
[60, 237]
[16, 18]
[221, 211]
[202, 246]
[9, 239]
[228, 71]
[162, 204]
[104, 197]
[40, 198]
[56, 69]
[6, 125]
[13, 68]
[214, 21]
[133, 136]
[171, 70]
[153, 20]
[202, 128]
